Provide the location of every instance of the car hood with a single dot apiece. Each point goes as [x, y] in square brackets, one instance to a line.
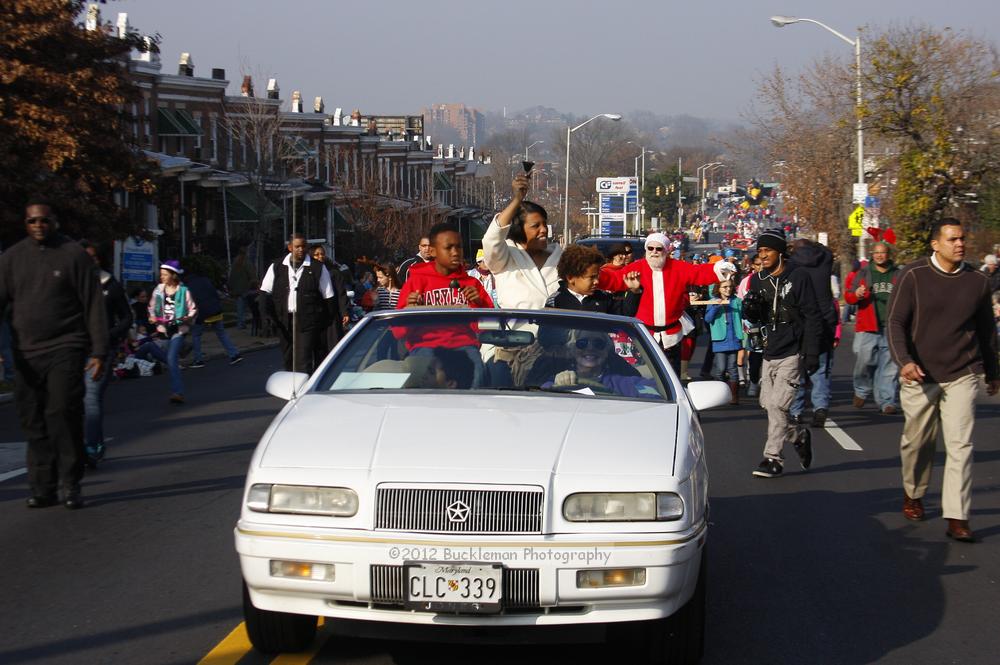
[471, 437]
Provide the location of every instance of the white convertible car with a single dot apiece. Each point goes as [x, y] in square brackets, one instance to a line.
[483, 468]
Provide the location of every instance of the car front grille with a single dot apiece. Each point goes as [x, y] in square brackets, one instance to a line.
[505, 511]
[520, 587]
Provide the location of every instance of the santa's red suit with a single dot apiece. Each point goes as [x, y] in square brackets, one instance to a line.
[664, 292]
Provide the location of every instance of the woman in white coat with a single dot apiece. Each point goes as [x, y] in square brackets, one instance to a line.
[517, 252]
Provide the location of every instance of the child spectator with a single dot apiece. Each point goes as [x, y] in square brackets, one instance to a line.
[725, 321]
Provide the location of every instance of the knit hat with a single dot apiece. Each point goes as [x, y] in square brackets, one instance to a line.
[658, 238]
[773, 239]
[173, 265]
[990, 260]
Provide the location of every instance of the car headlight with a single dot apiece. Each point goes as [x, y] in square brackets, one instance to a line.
[623, 507]
[303, 500]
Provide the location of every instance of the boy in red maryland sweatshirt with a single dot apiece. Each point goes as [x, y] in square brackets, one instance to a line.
[443, 282]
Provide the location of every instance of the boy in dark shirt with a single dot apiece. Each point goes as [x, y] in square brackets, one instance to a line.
[579, 271]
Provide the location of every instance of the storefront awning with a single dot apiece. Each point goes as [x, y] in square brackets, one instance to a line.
[171, 122]
[242, 206]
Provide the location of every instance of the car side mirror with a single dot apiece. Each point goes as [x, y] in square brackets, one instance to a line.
[708, 394]
[285, 385]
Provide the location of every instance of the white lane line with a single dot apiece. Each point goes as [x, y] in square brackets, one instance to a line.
[840, 436]
[12, 474]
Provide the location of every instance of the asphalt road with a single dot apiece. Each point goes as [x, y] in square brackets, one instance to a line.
[813, 567]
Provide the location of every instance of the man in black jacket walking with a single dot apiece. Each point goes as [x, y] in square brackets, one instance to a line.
[206, 298]
[58, 320]
[297, 294]
[780, 299]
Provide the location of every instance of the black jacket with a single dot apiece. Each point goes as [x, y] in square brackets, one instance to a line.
[55, 296]
[117, 307]
[313, 310]
[598, 301]
[404, 267]
[816, 261]
[205, 297]
[341, 306]
[792, 324]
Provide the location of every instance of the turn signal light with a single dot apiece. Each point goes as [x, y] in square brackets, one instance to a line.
[324, 572]
[612, 577]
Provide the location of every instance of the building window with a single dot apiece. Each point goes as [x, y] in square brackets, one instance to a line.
[212, 142]
[201, 132]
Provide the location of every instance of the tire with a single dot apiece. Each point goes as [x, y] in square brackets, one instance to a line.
[277, 632]
[676, 640]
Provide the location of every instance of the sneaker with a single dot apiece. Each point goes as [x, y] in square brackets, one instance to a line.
[889, 410]
[797, 418]
[819, 418]
[803, 446]
[769, 468]
[94, 455]
[858, 402]
[177, 398]
[236, 360]
[197, 364]
[753, 389]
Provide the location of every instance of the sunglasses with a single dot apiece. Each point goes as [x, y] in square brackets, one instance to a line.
[596, 343]
[654, 248]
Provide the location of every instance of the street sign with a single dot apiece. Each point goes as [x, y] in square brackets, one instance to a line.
[138, 260]
[613, 185]
[855, 221]
[860, 192]
[690, 178]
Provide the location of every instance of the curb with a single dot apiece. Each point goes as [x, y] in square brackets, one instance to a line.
[6, 398]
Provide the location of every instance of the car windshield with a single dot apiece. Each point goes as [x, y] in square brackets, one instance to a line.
[488, 351]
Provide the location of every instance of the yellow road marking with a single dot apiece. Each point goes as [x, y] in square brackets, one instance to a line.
[304, 657]
[230, 650]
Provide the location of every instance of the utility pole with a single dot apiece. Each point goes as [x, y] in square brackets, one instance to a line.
[680, 185]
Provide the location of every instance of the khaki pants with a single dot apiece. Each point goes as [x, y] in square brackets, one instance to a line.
[779, 381]
[952, 407]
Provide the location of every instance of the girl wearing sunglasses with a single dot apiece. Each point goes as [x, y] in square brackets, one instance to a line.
[595, 367]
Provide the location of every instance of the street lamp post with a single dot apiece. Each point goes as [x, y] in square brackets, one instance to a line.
[699, 175]
[569, 132]
[780, 22]
[529, 148]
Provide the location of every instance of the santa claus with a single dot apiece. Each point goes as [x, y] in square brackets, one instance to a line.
[665, 283]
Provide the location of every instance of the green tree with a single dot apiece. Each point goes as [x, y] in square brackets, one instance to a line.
[63, 95]
[934, 94]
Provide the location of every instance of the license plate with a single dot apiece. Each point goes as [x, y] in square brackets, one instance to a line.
[448, 587]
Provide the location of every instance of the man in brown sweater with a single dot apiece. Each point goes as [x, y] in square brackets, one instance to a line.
[942, 336]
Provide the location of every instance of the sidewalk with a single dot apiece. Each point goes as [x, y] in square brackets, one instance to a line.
[211, 349]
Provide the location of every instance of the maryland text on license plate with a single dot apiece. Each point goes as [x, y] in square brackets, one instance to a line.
[448, 587]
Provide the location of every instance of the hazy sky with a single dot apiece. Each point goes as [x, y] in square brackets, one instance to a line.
[392, 56]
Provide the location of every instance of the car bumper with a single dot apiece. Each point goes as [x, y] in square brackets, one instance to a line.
[671, 562]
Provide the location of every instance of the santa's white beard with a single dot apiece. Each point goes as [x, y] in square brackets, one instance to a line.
[656, 262]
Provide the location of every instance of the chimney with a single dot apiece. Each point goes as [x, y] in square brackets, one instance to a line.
[338, 117]
[93, 21]
[440, 151]
[356, 118]
[461, 152]
[186, 65]
[218, 74]
[318, 105]
[122, 25]
[296, 101]
[273, 91]
[149, 54]
[451, 151]
[428, 144]
[246, 89]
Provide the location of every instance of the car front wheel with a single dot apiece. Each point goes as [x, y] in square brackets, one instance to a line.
[277, 632]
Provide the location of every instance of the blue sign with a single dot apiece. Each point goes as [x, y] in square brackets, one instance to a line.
[612, 203]
[138, 260]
